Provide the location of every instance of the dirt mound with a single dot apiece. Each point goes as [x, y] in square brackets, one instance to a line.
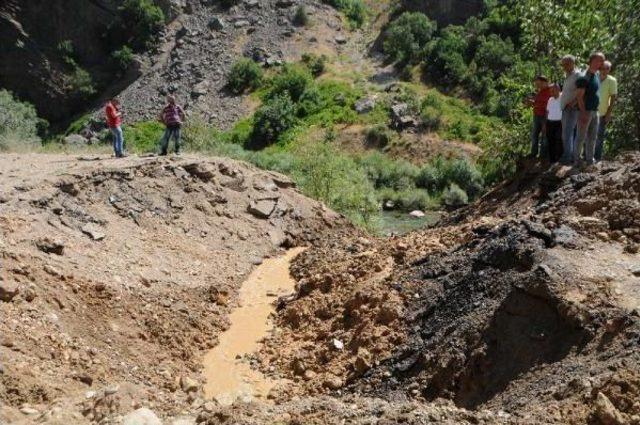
[528, 305]
[116, 276]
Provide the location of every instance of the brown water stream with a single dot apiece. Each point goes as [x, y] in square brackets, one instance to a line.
[228, 375]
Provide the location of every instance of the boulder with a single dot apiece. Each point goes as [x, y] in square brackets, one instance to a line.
[417, 214]
[50, 246]
[8, 290]
[262, 208]
[93, 232]
[606, 412]
[365, 105]
[142, 416]
[216, 24]
[75, 139]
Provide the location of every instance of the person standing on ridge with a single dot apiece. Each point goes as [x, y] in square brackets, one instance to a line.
[172, 116]
[588, 89]
[539, 103]
[569, 105]
[554, 125]
[608, 95]
[114, 122]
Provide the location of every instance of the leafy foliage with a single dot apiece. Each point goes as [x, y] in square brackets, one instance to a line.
[455, 196]
[407, 36]
[301, 17]
[123, 57]
[292, 81]
[354, 10]
[244, 75]
[19, 123]
[140, 21]
[316, 64]
[272, 120]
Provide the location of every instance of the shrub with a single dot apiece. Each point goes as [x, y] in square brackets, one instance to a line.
[408, 199]
[292, 81]
[273, 118]
[310, 102]
[454, 196]
[431, 118]
[465, 175]
[386, 172]
[429, 178]
[141, 20]
[324, 173]
[495, 55]
[316, 64]
[354, 10]
[407, 36]
[123, 58]
[378, 136]
[444, 61]
[244, 75]
[19, 123]
[300, 17]
[81, 83]
[143, 137]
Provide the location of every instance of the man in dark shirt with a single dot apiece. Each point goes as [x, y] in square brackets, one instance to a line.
[588, 102]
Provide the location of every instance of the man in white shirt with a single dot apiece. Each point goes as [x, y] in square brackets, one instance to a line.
[554, 125]
[569, 106]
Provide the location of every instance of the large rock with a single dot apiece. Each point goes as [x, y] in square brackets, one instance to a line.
[142, 416]
[606, 412]
[8, 290]
[262, 208]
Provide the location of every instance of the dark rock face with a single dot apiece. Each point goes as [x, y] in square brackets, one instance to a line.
[446, 12]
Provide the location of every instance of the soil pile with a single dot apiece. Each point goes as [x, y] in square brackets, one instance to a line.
[532, 314]
[117, 276]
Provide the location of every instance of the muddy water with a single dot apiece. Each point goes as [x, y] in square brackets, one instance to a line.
[228, 376]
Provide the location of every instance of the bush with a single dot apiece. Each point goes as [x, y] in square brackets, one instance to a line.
[244, 75]
[324, 173]
[431, 118]
[385, 172]
[143, 137]
[354, 10]
[454, 196]
[273, 118]
[123, 58]
[300, 17]
[440, 174]
[316, 64]
[378, 136]
[311, 102]
[19, 123]
[494, 55]
[292, 80]
[408, 199]
[407, 36]
[81, 83]
[141, 20]
[444, 61]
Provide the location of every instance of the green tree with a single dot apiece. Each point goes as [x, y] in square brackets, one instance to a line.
[407, 36]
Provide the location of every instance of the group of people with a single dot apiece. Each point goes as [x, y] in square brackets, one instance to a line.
[570, 120]
[172, 116]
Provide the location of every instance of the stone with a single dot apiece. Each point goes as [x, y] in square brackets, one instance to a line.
[606, 412]
[30, 411]
[200, 89]
[8, 290]
[262, 208]
[142, 416]
[283, 4]
[337, 344]
[189, 384]
[636, 271]
[93, 232]
[184, 421]
[50, 246]
[341, 39]
[75, 139]
[309, 375]
[333, 382]
[365, 105]
[417, 214]
[241, 23]
[216, 24]
[52, 270]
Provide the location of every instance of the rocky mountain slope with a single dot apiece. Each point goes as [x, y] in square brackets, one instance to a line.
[195, 51]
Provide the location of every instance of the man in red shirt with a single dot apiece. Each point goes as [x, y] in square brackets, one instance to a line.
[539, 104]
[114, 122]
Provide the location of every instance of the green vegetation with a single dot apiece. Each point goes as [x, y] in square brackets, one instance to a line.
[19, 123]
[407, 36]
[245, 75]
[301, 17]
[454, 196]
[142, 137]
[123, 58]
[354, 10]
[140, 21]
[271, 120]
[315, 64]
